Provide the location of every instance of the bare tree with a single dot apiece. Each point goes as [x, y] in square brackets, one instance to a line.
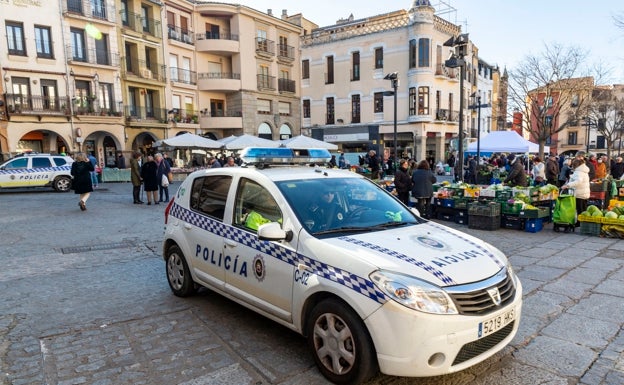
[606, 112]
[552, 90]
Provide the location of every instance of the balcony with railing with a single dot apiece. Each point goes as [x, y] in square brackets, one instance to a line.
[266, 82]
[221, 119]
[220, 43]
[19, 104]
[92, 56]
[140, 24]
[140, 69]
[181, 75]
[98, 10]
[442, 114]
[90, 106]
[286, 85]
[184, 118]
[265, 47]
[285, 52]
[141, 115]
[218, 81]
[179, 34]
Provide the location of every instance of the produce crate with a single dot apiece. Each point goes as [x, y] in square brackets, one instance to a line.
[445, 214]
[472, 192]
[599, 186]
[589, 219]
[612, 221]
[487, 193]
[461, 217]
[461, 203]
[597, 195]
[540, 212]
[482, 222]
[511, 208]
[528, 191]
[616, 203]
[512, 222]
[456, 191]
[589, 228]
[503, 195]
[489, 209]
[533, 225]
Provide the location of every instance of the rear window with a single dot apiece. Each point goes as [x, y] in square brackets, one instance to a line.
[16, 164]
[59, 160]
[209, 194]
[41, 162]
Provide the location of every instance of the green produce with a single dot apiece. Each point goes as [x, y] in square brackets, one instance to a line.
[585, 214]
[592, 208]
[597, 213]
[611, 215]
[621, 217]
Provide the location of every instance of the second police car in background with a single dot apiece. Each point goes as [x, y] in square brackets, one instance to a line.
[331, 255]
[37, 170]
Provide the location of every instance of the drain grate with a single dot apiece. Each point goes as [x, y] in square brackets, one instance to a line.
[104, 246]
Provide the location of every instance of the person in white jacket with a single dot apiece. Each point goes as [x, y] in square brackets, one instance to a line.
[579, 182]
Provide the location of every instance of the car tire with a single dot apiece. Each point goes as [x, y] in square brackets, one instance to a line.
[178, 273]
[340, 343]
[62, 184]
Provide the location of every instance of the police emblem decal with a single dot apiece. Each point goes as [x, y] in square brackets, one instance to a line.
[431, 242]
[258, 267]
[339, 216]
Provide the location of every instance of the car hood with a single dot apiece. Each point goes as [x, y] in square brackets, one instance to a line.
[429, 251]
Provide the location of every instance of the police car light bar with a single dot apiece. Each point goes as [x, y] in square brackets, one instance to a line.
[283, 155]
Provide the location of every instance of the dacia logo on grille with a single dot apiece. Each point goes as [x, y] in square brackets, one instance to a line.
[495, 295]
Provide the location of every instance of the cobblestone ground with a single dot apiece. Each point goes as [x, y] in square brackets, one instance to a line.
[85, 301]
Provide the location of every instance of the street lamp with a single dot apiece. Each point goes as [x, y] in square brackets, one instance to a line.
[477, 98]
[394, 81]
[588, 124]
[457, 61]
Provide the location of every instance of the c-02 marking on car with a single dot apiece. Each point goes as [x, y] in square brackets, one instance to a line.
[328, 262]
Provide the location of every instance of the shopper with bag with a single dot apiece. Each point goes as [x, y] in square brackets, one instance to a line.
[149, 174]
[163, 177]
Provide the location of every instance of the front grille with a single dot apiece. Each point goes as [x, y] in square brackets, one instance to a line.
[474, 348]
[479, 302]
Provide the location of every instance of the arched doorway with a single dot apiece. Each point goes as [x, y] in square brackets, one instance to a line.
[144, 143]
[285, 132]
[264, 131]
[42, 141]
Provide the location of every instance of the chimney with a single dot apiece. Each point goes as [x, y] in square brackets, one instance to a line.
[270, 12]
[284, 14]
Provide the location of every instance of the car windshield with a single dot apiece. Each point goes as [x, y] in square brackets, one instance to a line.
[336, 205]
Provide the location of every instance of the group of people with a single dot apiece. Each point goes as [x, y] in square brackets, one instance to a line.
[154, 174]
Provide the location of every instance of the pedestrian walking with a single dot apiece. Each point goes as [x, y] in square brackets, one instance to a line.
[82, 183]
[149, 174]
[162, 176]
[135, 177]
[579, 182]
[403, 182]
[422, 187]
[94, 180]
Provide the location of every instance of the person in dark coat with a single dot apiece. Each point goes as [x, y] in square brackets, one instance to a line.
[552, 170]
[373, 163]
[121, 161]
[82, 183]
[422, 187]
[149, 173]
[135, 177]
[163, 170]
[517, 176]
[403, 182]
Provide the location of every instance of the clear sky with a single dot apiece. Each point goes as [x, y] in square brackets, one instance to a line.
[504, 30]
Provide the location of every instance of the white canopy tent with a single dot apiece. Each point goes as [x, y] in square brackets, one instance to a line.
[246, 140]
[504, 141]
[189, 140]
[302, 142]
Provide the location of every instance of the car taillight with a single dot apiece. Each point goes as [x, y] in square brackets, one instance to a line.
[167, 209]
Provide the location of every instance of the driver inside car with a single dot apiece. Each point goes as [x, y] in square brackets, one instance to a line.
[326, 212]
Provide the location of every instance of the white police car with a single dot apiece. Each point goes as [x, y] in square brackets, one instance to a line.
[37, 170]
[333, 256]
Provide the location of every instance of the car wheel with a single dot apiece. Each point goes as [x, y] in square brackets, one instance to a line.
[62, 184]
[178, 273]
[340, 343]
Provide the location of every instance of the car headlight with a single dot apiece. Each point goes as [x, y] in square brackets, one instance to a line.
[413, 292]
[512, 274]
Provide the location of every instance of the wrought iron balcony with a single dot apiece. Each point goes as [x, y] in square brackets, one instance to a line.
[286, 85]
[141, 69]
[265, 46]
[266, 82]
[19, 104]
[136, 113]
[141, 24]
[216, 36]
[103, 10]
[181, 75]
[179, 34]
[286, 51]
[93, 56]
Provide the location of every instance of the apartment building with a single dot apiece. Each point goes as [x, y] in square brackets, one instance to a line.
[247, 72]
[345, 93]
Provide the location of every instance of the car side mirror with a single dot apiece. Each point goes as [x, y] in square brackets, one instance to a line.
[415, 211]
[273, 232]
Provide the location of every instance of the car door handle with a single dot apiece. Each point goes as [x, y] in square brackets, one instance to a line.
[188, 226]
[230, 243]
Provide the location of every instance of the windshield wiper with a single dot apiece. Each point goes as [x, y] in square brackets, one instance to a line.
[393, 224]
[342, 230]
